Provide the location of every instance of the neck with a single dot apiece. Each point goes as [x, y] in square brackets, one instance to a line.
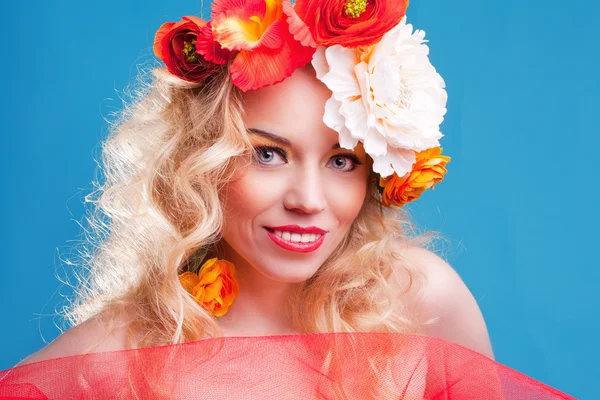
[261, 308]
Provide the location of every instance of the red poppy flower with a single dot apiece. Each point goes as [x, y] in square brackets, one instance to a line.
[271, 41]
[178, 45]
[350, 23]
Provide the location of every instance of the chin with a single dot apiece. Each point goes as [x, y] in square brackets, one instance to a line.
[290, 274]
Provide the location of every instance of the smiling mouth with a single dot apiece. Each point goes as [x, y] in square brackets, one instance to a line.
[295, 237]
[293, 241]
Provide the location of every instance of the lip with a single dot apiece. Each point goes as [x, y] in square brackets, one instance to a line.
[294, 246]
[297, 229]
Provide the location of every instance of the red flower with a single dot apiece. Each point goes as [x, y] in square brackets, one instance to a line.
[188, 50]
[271, 40]
[350, 23]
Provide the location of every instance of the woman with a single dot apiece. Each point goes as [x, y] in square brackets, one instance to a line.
[309, 182]
[254, 190]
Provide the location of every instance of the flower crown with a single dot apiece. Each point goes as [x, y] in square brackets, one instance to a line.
[386, 93]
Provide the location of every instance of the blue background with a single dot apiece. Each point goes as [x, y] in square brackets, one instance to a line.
[518, 204]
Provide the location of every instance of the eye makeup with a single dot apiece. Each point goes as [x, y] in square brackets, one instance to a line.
[258, 149]
[267, 141]
[273, 148]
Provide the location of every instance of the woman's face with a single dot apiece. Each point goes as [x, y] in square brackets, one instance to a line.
[287, 212]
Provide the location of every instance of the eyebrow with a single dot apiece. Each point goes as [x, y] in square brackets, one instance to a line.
[279, 139]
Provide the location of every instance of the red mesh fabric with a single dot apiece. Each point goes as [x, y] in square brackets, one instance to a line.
[310, 366]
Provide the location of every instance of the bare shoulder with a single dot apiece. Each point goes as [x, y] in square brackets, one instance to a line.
[97, 334]
[446, 300]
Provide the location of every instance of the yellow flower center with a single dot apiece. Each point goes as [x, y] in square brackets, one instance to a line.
[257, 20]
[354, 8]
[241, 30]
[189, 51]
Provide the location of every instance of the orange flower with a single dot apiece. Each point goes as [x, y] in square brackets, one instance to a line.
[428, 170]
[214, 287]
[350, 23]
[187, 49]
[268, 36]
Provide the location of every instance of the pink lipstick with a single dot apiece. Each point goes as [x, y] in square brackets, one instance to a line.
[283, 237]
[297, 229]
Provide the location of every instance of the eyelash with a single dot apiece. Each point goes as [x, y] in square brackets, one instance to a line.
[281, 151]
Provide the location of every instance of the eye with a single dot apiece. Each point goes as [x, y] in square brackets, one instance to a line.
[345, 162]
[265, 155]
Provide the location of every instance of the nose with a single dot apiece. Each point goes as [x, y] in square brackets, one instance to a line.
[305, 192]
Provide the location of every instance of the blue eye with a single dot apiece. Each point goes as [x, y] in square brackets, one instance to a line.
[265, 155]
[344, 158]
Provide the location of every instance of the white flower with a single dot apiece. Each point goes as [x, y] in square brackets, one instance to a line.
[387, 96]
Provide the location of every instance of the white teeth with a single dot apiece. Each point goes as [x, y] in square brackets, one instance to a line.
[297, 237]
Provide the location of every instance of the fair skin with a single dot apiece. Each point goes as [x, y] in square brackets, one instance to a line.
[297, 185]
[447, 297]
[298, 182]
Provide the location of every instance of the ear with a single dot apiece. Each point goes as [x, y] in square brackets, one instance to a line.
[447, 300]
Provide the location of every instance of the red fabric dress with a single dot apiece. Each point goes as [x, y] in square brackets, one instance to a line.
[308, 366]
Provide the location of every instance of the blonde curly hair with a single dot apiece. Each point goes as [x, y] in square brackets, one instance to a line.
[158, 212]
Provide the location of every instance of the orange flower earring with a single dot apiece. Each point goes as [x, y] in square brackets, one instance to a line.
[214, 287]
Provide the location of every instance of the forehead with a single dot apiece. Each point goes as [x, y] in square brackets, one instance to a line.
[293, 108]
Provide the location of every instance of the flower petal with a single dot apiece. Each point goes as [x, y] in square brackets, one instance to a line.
[319, 62]
[331, 25]
[250, 7]
[188, 280]
[336, 121]
[241, 24]
[272, 38]
[375, 144]
[209, 48]
[398, 160]
[212, 291]
[209, 276]
[356, 118]
[219, 312]
[341, 79]
[298, 28]
[386, 83]
[158, 38]
[235, 33]
[262, 66]
[198, 21]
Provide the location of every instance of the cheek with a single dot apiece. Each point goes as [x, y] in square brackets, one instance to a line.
[248, 196]
[346, 197]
